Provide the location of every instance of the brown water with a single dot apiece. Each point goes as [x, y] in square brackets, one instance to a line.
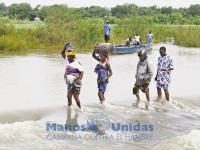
[33, 92]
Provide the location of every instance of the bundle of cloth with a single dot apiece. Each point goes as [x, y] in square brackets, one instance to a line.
[72, 70]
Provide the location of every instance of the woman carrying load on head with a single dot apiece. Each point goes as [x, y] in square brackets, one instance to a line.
[104, 72]
[73, 76]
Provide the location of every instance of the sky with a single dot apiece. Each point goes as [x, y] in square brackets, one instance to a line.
[105, 3]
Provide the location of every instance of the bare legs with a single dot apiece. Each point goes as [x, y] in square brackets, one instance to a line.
[137, 96]
[166, 94]
[74, 92]
[69, 97]
[146, 93]
[160, 93]
[101, 96]
[76, 97]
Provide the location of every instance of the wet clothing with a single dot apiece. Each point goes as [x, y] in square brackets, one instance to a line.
[144, 71]
[72, 72]
[102, 72]
[70, 86]
[164, 77]
[143, 76]
[142, 87]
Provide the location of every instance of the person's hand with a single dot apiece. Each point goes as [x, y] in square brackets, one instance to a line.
[145, 80]
[78, 81]
[165, 69]
[104, 80]
[68, 43]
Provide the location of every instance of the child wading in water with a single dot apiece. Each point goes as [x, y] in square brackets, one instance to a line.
[104, 71]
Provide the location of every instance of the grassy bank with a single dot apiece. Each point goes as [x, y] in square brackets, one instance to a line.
[85, 33]
[187, 36]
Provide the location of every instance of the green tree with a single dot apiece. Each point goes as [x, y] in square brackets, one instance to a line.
[126, 10]
[175, 18]
[20, 11]
[161, 19]
[2, 7]
[96, 11]
[183, 11]
[33, 15]
[53, 11]
[194, 10]
[147, 11]
[166, 10]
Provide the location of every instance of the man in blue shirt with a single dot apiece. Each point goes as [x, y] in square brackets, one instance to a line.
[107, 31]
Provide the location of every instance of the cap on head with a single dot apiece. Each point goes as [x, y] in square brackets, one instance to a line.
[107, 21]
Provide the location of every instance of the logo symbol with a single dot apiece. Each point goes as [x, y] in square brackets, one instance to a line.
[98, 121]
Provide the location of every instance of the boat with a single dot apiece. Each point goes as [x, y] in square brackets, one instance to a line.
[122, 49]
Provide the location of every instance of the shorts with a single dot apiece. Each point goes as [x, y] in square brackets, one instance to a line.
[142, 87]
[107, 37]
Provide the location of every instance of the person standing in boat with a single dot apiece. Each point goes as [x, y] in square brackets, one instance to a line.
[137, 39]
[149, 37]
[163, 76]
[144, 74]
[104, 72]
[73, 76]
[106, 31]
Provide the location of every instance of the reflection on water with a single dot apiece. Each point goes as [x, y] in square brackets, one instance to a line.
[32, 88]
[71, 120]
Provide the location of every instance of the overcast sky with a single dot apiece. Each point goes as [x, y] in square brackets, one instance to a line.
[106, 3]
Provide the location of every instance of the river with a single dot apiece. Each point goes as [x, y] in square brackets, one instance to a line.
[33, 98]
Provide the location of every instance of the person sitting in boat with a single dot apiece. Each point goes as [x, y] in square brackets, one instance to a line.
[137, 39]
[149, 37]
[128, 42]
[104, 72]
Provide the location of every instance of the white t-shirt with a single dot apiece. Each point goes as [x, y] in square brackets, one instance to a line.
[150, 35]
[74, 68]
[137, 38]
[75, 64]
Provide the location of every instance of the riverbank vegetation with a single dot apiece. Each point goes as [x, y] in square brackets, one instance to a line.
[58, 24]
